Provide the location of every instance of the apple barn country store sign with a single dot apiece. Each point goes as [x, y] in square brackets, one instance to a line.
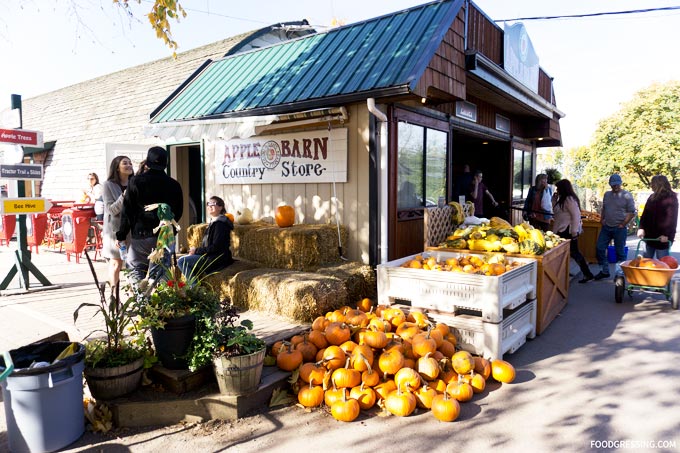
[301, 157]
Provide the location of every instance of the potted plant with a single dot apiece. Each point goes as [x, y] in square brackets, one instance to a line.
[179, 316]
[236, 353]
[114, 363]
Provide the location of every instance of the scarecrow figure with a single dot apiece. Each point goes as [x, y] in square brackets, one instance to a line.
[166, 233]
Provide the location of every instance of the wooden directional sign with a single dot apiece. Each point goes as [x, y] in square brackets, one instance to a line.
[24, 206]
[21, 171]
[22, 137]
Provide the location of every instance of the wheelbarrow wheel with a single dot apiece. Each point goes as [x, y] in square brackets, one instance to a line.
[675, 293]
[619, 288]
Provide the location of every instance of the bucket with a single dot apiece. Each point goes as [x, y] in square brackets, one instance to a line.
[44, 405]
[611, 253]
[240, 374]
[173, 341]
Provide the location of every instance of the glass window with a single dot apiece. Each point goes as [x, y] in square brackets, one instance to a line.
[522, 170]
[421, 176]
[409, 173]
[435, 170]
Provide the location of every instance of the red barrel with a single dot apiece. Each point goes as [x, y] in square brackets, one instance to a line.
[7, 225]
[75, 224]
[36, 225]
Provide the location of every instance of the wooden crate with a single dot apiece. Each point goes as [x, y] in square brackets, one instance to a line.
[587, 241]
[552, 282]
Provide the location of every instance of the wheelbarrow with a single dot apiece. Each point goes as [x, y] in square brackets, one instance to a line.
[647, 280]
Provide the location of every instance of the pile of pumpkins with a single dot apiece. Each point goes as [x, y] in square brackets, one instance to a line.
[492, 264]
[354, 359]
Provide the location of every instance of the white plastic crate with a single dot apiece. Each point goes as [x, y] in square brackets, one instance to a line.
[449, 292]
[492, 340]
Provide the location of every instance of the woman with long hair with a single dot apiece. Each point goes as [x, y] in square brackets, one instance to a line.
[659, 219]
[120, 171]
[567, 223]
[214, 253]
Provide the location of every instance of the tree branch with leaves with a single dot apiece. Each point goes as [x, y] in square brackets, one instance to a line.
[161, 14]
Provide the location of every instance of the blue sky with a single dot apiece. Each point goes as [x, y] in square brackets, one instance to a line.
[597, 63]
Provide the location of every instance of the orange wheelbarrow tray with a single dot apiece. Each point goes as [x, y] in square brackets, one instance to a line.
[645, 279]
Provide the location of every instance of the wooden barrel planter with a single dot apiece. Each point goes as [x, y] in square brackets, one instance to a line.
[109, 383]
[239, 375]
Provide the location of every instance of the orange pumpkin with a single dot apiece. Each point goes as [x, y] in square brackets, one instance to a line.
[310, 395]
[400, 403]
[649, 263]
[462, 362]
[502, 371]
[460, 390]
[284, 216]
[445, 409]
[670, 261]
[364, 395]
[346, 409]
[289, 359]
[230, 216]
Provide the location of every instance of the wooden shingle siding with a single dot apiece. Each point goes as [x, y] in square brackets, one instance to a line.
[545, 87]
[446, 70]
[484, 36]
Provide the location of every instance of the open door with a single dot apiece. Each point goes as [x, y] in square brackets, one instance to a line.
[186, 166]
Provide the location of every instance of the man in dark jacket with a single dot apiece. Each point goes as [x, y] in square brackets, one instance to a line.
[152, 186]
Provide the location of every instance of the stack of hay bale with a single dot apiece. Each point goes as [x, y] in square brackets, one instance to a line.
[296, 272]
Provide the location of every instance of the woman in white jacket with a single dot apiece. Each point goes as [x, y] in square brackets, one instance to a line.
[567, 222]
[114, 188]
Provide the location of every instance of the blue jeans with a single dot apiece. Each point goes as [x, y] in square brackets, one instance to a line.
[187, 264]
[649, 252]
[608, 233]
[138, 260]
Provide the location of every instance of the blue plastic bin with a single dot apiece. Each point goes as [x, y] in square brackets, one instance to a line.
[611, 253]
[43, 406]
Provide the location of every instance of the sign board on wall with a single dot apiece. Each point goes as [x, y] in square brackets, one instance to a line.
[22, 137]
[466, 110]
[502, 123]
[520, 58]
[301, 157]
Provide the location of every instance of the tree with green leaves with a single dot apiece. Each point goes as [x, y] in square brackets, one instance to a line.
[162, 12]
[639, 141]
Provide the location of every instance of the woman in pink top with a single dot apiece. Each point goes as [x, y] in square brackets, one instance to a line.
[567, 222]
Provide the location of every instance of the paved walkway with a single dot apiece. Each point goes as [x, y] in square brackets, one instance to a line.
[602, 377]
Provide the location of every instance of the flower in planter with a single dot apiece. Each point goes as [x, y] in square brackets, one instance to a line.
[173, 298]
[228, 337]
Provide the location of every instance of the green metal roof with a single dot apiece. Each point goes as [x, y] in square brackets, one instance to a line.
[385, 55]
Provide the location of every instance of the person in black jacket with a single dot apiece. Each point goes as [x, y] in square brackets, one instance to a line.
[214, 253]
[152, 186]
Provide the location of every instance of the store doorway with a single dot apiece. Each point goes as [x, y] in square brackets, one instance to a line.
[186, 166]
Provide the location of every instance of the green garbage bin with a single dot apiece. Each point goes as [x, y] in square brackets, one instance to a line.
[43, 403]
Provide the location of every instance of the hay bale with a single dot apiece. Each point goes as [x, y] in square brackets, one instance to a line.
[220, 280]
[359, 279]
[300, 247]
[301, 296]
[195, 234]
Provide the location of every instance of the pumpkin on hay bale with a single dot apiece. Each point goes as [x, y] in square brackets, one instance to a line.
[359, 279]
[301, 296]
[302, 247]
